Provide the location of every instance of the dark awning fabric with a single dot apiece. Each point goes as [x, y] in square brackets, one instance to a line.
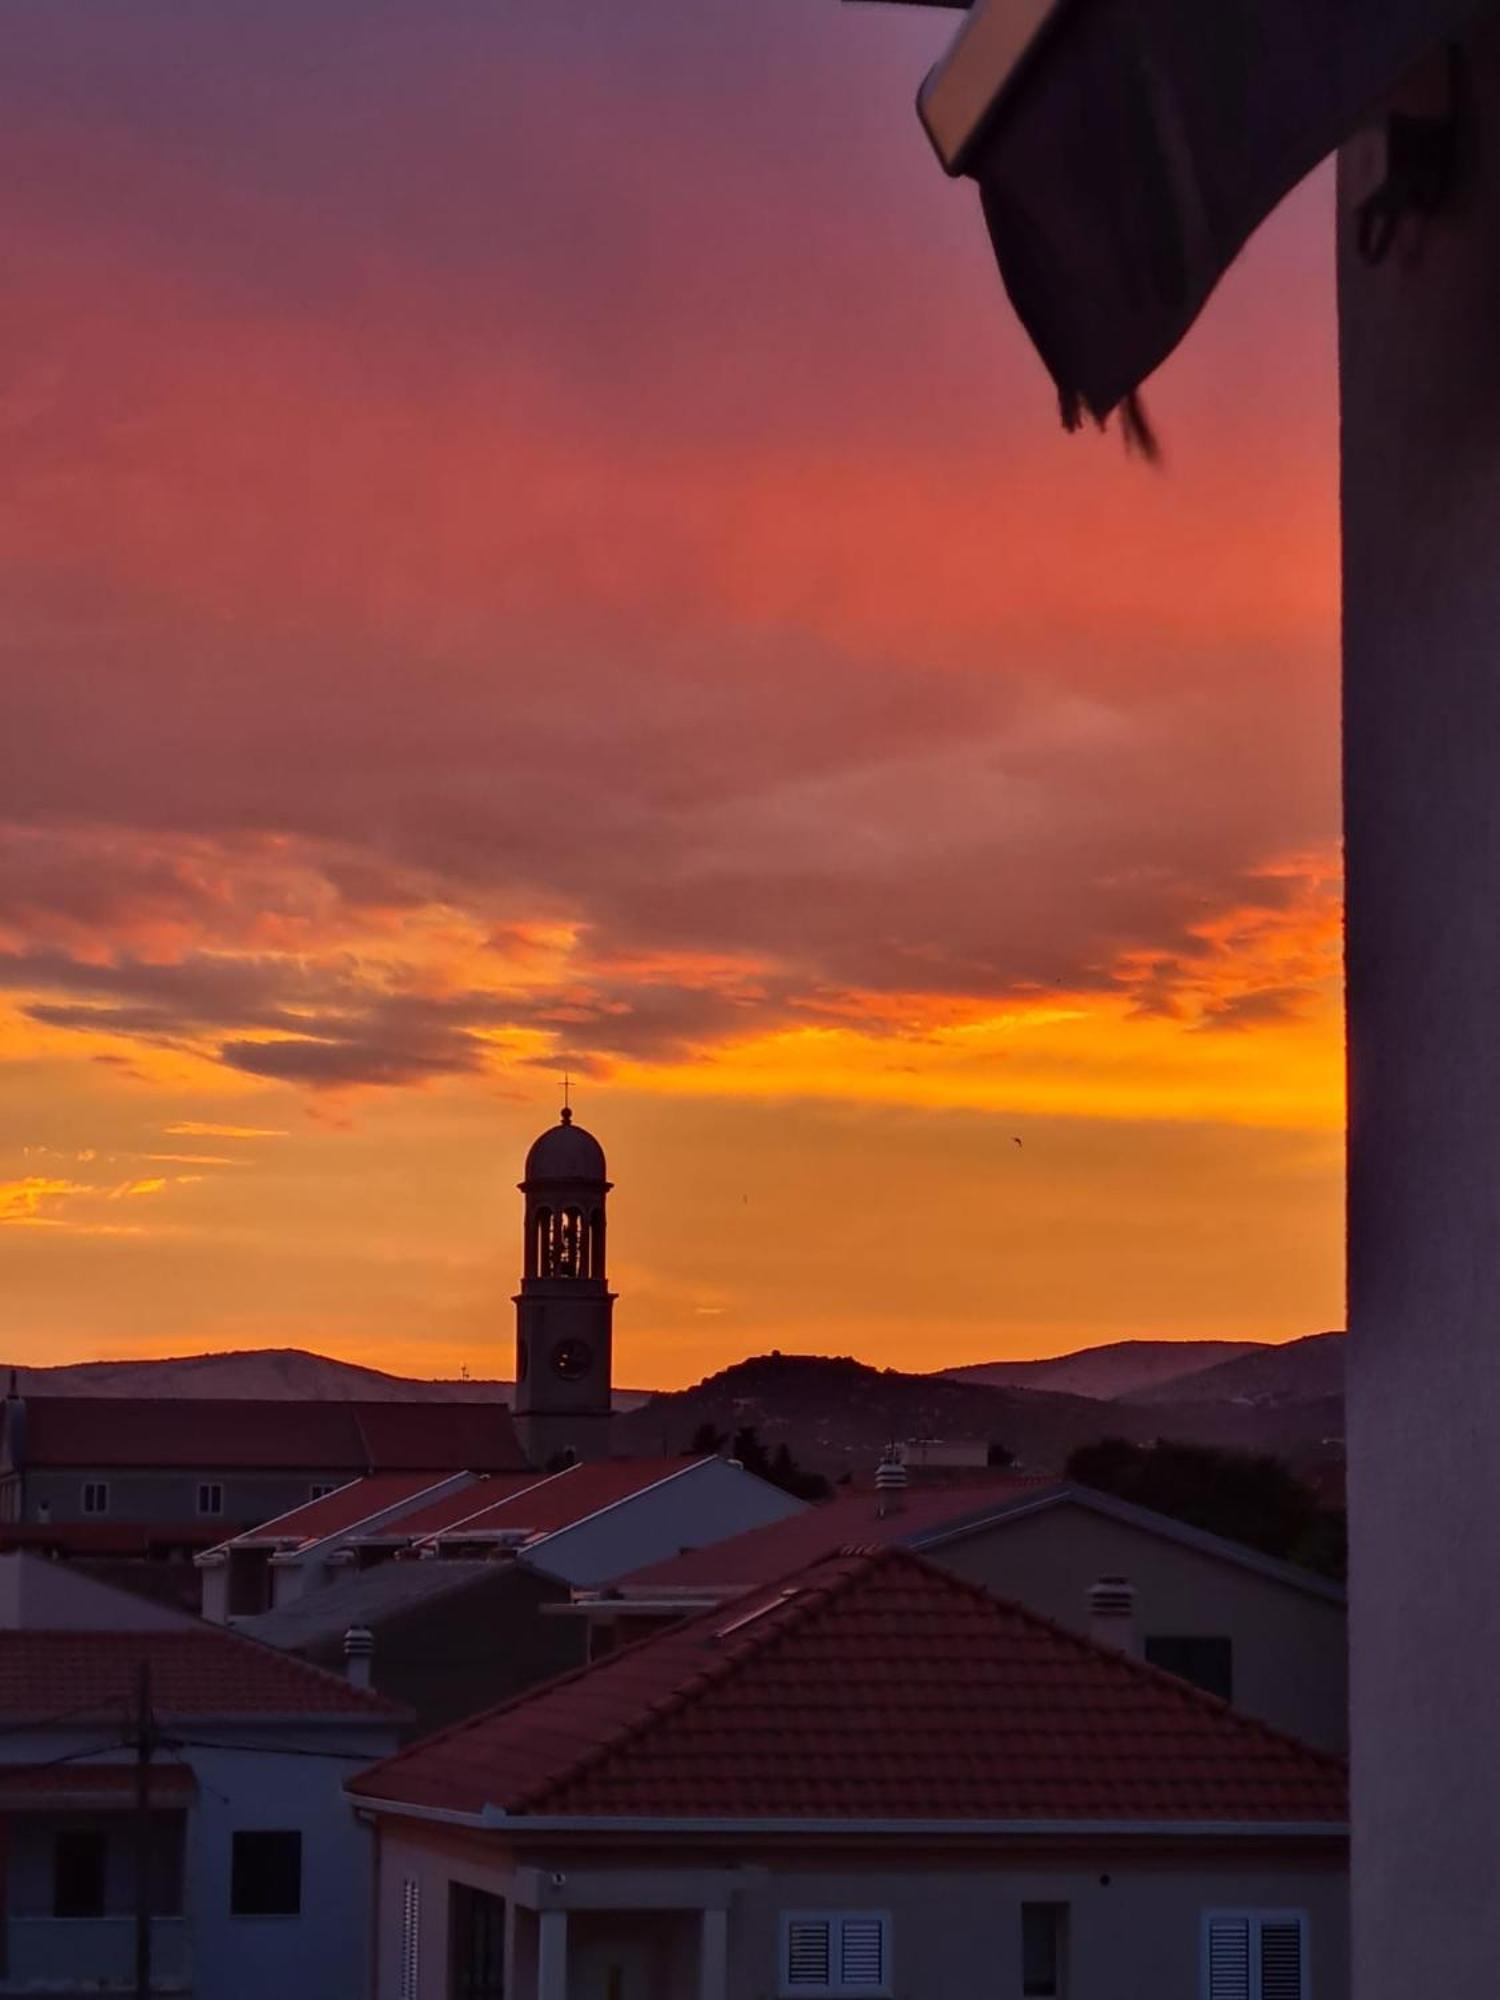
[49, 1787]
[1138, 143]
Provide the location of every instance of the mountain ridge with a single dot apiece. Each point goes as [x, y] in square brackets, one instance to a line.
[1111, 1369]
[837, 1415]
[260, 1374]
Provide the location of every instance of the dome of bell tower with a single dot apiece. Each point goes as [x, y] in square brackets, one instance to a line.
[565, 1153]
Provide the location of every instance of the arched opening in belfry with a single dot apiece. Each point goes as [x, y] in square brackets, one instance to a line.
[539, 1244]
[596, 1243]
[567, 1252]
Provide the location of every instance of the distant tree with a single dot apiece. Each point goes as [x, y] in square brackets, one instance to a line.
[751, 1453]
[1247, 1497]
[778, 1467]
[708, 1440]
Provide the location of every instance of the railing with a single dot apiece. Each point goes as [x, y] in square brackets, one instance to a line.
[94, 1955]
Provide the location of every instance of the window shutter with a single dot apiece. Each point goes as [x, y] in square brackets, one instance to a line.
[809, 1953]
[1229, 1959]
[1281, 1959]
[862, 1953]
[411, 1937]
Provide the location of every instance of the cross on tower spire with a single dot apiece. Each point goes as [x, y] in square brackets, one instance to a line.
[567, 1110]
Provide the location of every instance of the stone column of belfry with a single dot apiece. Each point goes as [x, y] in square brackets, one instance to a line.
[1420, 368]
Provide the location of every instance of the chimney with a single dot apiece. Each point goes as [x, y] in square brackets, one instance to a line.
[890, 1485]
[1112, 1614]
[359, 1655]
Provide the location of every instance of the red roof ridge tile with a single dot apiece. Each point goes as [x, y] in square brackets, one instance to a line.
[696, 1685]
[1130, 1663]
[361, 1698]
[485, 1716]
[210, 1640]
[696, 1657]
[879, 1555]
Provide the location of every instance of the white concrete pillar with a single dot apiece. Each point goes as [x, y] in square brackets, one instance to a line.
[1420, 370]
[713, 1956]
[552, 1955]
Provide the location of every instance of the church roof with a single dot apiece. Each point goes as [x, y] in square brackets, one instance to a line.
[222, 1433]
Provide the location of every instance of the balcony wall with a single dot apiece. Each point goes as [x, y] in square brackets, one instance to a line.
[94, 1955]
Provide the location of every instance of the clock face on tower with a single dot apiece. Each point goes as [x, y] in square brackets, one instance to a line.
[572, 1360]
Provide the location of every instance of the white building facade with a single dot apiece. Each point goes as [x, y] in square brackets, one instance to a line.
[232, 1834]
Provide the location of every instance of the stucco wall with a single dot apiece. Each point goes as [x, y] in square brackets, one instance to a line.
[1290, 1653]
[1421, 526]
[325, 1949]
[955, 1921]
[271, 1779]
[171, 1498]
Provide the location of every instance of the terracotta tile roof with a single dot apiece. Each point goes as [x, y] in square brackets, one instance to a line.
[348, 1506]
[869, 1686]
[761, 1555]
[568, 1497]
[213, 1433]
[194, 1672]
[108, 1538]
[468, 1437]
[486, 1492]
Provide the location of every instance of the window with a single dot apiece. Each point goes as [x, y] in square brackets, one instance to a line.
[78, 1859]
[1255, 1955]
[841, 1952]
[411, 1938]
[1207, 1662]
[95, 1496]
[266, 1875]
[1044, 1949]
[210, 1497]
[476, 1944]
[320, 1489]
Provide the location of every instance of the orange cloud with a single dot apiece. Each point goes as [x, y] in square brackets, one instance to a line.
[29, 1199]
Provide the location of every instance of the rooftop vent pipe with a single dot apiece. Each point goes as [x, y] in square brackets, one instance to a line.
[890, 1485]
[1112, 1614]
[359, 1655]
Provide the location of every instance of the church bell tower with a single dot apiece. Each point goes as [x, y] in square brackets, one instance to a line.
[564, 1309]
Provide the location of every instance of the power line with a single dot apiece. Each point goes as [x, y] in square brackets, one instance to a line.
[259, 1749]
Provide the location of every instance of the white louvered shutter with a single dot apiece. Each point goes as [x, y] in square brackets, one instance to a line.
[862, 1953]
[809, 1952]
[411, 1939]
[1281, 1959]
[1229, 1959]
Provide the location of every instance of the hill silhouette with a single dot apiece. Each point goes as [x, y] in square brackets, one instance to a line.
[1119, 1368]
[837, 1415]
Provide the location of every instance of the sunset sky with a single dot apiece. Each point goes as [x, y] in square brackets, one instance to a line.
[531, 540]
